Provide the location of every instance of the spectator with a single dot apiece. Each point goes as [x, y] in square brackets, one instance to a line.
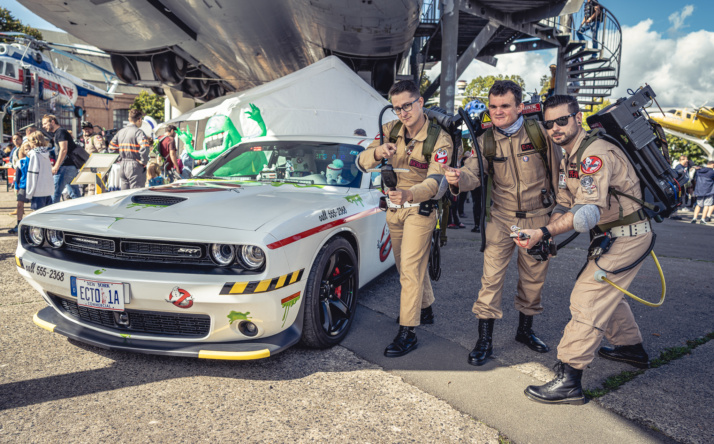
[154, 177]
[21, 184]
[592, 18]
[93, 143]
[167, 150]
[134, 148]
[551, 82]
[64, 169]
[40, 184]
[704, 191]
[13, 158]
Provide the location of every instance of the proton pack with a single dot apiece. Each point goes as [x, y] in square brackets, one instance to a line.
[644, 143]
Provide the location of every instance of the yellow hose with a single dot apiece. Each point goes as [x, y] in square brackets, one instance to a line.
[650, 304]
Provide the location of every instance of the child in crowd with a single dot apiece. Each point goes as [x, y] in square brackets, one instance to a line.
[40, 182]
[153, 175]
[21, 183]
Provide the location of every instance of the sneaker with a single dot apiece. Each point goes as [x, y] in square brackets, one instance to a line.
[476, 229]
[693, 221]
[451, 226]
[13, 230]
[707, 219]
[702, 221]
[462, 225]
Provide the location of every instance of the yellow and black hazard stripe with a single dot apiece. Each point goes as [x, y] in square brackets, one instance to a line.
[262, 286]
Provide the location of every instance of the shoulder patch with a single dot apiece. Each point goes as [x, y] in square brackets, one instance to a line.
[441, 156]
[591, 165]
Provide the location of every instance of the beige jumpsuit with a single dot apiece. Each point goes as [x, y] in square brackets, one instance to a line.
[410, 232]
[597, 308]
[519, 177]
[93, 144]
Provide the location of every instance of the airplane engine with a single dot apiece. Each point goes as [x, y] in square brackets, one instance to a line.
[195, 84]
[124, 69]
[169, 68]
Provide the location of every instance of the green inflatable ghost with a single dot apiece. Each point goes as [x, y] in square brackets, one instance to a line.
[221, 134]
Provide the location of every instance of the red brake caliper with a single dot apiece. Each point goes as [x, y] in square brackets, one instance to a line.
[338, 290]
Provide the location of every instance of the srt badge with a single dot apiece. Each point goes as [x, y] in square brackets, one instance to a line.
[180, 298]
[591, 165]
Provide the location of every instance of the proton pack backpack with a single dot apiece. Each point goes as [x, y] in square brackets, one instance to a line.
[645, 146]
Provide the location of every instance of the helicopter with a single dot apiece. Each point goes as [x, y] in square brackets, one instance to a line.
[695, 125]
[28, 75]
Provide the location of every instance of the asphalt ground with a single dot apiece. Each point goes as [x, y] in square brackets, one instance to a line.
[54, 389]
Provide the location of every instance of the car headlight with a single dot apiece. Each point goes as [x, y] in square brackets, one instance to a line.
[55, 238]
[252, 256]
[223, 254]
[36, 236]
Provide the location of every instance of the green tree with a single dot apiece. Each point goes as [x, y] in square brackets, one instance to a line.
[425, 84]
[8, 23]
[680, 147]
[544, 85]
[478, 87]
[150, 104]
[595, 109]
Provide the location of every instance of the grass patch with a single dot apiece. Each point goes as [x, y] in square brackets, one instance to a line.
[503, 440]
[665, 357]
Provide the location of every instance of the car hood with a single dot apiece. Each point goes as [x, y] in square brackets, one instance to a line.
[242, 206]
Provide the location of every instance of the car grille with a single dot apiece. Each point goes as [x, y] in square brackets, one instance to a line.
[139, 250]
[91, 243]
[149, 199]
[146, 322]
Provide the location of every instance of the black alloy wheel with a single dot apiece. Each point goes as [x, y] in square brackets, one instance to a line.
[331, 295]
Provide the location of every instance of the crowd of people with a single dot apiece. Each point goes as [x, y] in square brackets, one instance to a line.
[46, 161]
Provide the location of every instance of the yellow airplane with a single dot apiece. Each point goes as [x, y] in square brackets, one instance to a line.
[694, 125]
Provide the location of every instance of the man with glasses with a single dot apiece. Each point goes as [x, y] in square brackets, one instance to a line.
[523, 187]
[410, 214]
[594, 183]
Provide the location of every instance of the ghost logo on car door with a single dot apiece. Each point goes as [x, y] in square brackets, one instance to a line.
[180, 298]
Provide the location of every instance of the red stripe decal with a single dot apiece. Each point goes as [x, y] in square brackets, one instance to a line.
[290, 298]
[319, 228]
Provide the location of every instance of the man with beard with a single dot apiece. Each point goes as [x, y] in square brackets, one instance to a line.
[598, 191]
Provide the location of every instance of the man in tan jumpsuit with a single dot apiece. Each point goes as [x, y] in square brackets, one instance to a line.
[410, 231]
[584, 203]
[518, 199]
[93, 143]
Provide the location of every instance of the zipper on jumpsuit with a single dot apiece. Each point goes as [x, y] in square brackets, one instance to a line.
[518, 177]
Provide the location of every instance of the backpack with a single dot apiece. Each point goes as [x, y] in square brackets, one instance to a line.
[644, 144]
[536, 136]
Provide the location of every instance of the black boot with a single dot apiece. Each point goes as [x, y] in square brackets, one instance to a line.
[631, 354]
[484, 346]
[405, 342]
[566, 388]
[526, 336]
[426, 317]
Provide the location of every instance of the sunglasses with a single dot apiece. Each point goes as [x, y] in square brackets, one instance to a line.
[561, 121]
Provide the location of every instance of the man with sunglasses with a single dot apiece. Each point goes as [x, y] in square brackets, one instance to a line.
[595, 184]
[523, 184]
[410, 224]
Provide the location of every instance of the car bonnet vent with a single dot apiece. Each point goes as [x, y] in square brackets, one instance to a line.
[149, 199]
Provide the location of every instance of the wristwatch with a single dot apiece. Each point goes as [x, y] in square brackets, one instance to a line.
[546, 234]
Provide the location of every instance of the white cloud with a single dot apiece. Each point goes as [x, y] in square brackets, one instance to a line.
[679, 68]
[677, 18]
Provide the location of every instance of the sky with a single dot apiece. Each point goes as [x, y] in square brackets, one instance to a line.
[667, 44]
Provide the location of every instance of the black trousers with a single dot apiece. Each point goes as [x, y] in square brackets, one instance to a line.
[476, 197]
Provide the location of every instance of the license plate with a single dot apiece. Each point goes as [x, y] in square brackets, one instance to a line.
[98, 294]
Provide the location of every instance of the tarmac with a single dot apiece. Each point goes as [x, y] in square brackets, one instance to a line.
[55, 389]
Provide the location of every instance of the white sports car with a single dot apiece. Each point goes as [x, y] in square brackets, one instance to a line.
[266, 247]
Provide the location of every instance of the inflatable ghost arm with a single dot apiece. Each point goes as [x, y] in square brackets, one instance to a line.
[254, 114]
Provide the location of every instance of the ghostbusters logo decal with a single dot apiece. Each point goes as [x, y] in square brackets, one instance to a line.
[591, 165]
[384, 244]
[180, 298]
[441, 156]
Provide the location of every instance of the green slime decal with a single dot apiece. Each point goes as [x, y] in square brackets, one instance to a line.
[356, 199]
[286, 306]
[237, 316]
[139, 206]
[296, 185]
[116, 219]
[100, 271]
[221, 134]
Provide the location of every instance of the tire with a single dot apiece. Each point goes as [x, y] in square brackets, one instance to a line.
[330, 295]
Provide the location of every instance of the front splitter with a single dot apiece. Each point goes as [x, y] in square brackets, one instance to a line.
[49, 319]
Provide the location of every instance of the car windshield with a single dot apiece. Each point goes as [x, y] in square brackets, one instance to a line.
[312, 163]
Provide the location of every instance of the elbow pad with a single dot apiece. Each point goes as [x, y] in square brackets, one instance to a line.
[585, 217]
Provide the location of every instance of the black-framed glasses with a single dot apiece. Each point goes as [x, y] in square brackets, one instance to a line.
[406, 108]
[561, 121]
